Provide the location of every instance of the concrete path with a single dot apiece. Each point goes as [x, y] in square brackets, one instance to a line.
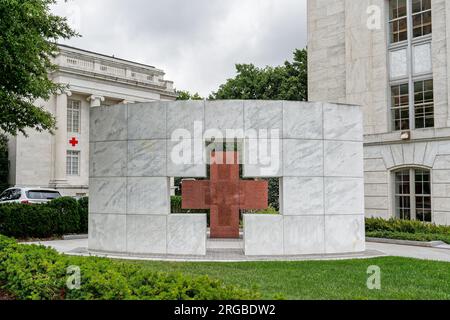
[79, 247]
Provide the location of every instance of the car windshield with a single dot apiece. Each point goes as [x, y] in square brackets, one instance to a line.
[43, 195]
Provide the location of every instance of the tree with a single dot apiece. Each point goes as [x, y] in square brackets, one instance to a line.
[28, 35]
[286, 82]
[186, 95]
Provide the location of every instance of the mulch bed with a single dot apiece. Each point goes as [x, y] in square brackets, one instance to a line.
[5, 295]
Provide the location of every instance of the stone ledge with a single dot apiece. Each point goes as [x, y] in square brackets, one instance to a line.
[429, 244]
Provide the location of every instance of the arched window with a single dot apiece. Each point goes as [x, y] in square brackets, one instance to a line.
[413, 194]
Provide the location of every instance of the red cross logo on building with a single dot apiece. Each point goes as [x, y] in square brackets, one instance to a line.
[225, 194]
[73, 141]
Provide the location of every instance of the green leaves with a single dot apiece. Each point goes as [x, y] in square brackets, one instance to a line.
[286, 82]
[28, 32]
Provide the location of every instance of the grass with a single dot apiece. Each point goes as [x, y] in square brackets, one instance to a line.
[401, 278]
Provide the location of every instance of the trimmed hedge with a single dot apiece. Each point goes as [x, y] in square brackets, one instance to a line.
[56, 218]
[39, 273]
[406, 230]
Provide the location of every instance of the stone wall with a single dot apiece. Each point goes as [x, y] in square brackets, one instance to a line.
[317, 150]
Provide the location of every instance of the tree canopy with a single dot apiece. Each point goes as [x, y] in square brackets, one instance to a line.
[28, 35]
[186, 95]
[286, 82]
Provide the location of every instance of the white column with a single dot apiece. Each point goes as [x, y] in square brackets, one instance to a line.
[95, 100]
[61, 142]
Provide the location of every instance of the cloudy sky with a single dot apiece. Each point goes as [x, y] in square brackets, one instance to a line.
[196, 42]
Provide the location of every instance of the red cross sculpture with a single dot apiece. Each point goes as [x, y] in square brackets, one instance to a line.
[225, 194]
[73, 141]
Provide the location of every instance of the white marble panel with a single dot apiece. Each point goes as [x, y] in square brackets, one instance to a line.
[146, 234]
[302, 158]
[107, 195]
[304, 235]
[342, 122]
[109, 159]
[422, 58]
[187, 116]
[398, 63]
[224, 115]
[263, 158]
[263, 115]
[107, 232]
[343, 159]
[302, 196]
[186, 158]
[147, 158]
[302, 120]
[108, 123]
[344, 234]
[344, 196]
[186, 234]
[147, 120]
[263, 235]
[441, 176]
[148, 196]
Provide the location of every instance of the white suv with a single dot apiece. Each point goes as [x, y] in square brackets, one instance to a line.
[28, 195]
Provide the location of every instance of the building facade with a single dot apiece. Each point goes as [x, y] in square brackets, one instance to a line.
[391, 57]
[61, 160]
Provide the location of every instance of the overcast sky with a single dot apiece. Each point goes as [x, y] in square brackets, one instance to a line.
[196, 42]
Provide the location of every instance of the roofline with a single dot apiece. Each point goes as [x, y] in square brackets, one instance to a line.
[110, 57]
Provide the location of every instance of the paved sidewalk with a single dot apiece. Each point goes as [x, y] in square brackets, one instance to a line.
[79, 247]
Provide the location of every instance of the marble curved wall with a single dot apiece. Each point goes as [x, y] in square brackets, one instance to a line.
[317, 152]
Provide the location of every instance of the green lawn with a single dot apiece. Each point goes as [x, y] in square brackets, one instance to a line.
[401, 278]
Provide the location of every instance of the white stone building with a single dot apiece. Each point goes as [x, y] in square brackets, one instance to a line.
[62, 160]
[391, 57]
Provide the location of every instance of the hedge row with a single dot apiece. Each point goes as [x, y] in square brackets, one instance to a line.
[39, 273]
[406, 230]
[56, 218]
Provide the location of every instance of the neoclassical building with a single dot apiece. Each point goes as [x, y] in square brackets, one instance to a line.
[391, 57]
[61, 160]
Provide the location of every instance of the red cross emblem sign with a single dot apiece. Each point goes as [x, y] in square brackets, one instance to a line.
[73, 142]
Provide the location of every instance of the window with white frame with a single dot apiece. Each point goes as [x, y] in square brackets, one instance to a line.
[413, 194]
[73, 116]
[73, 163]
[411, 75]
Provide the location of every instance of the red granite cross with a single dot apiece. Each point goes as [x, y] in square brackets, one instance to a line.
[225, 194]
[73, 141]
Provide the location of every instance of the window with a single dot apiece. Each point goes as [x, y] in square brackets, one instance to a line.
[73, 163]
[421, 17]
[413, 194]
[400, 106]
[423, 104]
[73, 116]
[398, 20]
[412, 98]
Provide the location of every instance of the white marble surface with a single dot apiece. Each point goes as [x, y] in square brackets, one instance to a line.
[109, 159]
[263, 234]
[107, 232]
[263, 158]
[342, 122]
[302, 196]
[146, 234]
[108, 123]
[108, 195]
[263, 115]
[304, 235]
[183, 115]
[224, 114]
[148, 196]
[147, 158]
[186, 234]
[302, 120]
[344, 233]
[302, 158]
[344, 159]
[194, 151]
[344, 195]
[147, 120]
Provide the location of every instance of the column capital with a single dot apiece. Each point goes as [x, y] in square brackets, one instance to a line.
[125, 101]
[95, 97]
[67, 92]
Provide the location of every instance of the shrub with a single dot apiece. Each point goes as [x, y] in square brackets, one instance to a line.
[58, 217]
[36, 272]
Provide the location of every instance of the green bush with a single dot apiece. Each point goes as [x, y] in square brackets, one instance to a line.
[56, 218]
[406, 230]
[36, 272]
